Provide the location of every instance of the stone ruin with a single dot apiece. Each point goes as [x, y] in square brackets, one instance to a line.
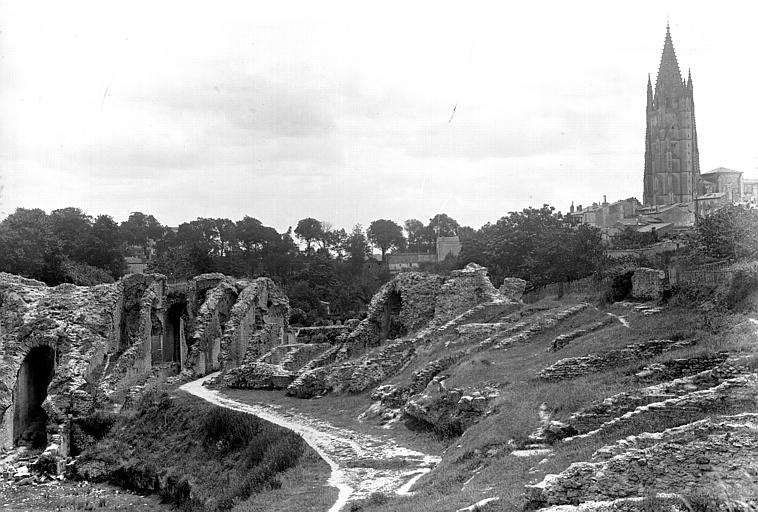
[66, 351]
[403, 311]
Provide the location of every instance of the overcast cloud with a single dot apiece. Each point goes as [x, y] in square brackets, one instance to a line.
[345, 112]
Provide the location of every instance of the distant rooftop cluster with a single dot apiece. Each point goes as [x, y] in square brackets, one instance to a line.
[675, 192]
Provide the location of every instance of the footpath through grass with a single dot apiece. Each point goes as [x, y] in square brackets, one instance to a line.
[204, 458]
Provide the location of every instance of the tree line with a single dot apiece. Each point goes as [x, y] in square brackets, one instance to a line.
[326, 271]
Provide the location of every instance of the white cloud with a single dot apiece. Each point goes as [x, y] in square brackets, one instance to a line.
[340, 111]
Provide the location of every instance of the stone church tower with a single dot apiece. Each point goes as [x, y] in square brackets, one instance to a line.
[672, 161]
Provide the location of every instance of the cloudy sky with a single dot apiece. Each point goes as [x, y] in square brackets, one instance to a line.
[354, 111]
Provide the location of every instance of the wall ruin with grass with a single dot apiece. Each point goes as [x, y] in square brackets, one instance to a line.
[68, 350]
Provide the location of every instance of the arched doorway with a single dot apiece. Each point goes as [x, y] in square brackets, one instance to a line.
[173, 336]
[392, 327]
[29, 419]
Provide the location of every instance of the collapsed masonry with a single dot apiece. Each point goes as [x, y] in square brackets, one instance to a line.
[66, 351]
[401, 316]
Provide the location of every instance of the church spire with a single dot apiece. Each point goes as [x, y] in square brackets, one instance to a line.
[649, 93]
[668, 72]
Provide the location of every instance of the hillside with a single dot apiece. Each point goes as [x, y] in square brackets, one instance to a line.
[560, 402]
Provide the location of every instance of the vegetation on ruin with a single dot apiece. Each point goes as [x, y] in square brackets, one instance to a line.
[479, 463]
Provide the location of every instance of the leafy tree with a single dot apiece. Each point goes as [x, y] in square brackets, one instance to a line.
[385, 234]
[73, 228]
[30, 247]
[103, 249]
[139, 229]
[417, 239]
[357, 249]
[443, 225]
[309, 230]
[536, 245]
[729, 233]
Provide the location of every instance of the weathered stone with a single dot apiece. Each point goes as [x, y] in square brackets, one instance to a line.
[670, 462]
[259, 376]
[648, 283]
[513, 288]
[76, 346]
[573, 367]
[449, 410]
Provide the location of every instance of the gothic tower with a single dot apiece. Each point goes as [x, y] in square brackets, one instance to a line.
[672, 161]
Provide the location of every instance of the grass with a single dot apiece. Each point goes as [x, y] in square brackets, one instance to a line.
[69, 496]
[485, 447]
[198, 456]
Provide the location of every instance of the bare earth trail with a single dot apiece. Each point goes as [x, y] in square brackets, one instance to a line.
[361, 464]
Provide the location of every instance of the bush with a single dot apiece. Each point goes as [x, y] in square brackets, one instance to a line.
[744, 283]
[225, 430]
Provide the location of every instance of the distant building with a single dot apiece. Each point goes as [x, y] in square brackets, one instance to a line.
[448, 245]
[681, 215]
[672, 161]
[405, 261]
[135, 264]
[609, 218]
[726, 181]
[750, 191]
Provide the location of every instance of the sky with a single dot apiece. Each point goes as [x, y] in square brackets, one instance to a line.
[354, 111]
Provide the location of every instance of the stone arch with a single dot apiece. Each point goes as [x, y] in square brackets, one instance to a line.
[392, 326]
[172, 337]
[33, 378]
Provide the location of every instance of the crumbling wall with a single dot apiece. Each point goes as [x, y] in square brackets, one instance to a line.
[463, 290]
[648, 283]
[258, 322]
[75, 323]
[714, 454]
[105, 338]
[418, 292]
[209, 327]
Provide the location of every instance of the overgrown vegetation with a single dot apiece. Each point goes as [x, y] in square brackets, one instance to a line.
[200, 457]
[536, 244]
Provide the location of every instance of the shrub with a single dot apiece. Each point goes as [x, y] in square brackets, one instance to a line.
[225, 430]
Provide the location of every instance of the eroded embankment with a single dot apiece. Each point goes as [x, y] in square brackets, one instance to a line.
[202, 457]
[361, 464]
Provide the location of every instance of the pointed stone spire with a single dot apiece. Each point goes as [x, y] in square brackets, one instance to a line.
[668, 72]
[649, 93]
[689, 78]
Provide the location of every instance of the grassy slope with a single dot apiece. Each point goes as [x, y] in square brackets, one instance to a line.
[203, 457]
[513, 370]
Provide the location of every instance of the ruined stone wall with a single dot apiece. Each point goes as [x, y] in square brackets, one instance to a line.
[463, 290]
[714, 454]
[104, 337]
[418, 292]
[258, 322]
[74, 322]
[648, 283]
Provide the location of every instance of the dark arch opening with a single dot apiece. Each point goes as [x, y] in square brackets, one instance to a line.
[29, 419]
[173, 340]
[392, 327]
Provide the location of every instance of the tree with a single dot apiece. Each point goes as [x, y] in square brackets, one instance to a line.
[309, 230]
[536, 245]
[385, 234]
[139, 229]
[729, 233]
[416, 235]
[30, 247]
[104, 246]
[73, 228]
[357, 249]
[442, 225]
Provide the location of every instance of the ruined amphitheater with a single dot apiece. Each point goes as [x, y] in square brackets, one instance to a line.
[585, 406]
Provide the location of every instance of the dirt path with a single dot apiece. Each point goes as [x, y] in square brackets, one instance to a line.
[361, 464]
